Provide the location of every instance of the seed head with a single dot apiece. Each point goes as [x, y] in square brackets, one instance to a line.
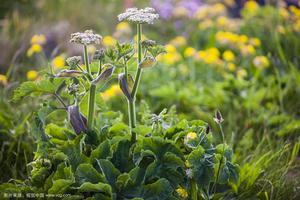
[142, 16]
[218, 117]
[86, 38]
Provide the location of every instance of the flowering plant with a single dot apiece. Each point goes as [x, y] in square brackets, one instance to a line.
[101, 157]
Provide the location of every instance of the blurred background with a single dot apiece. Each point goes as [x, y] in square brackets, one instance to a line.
[56, 19]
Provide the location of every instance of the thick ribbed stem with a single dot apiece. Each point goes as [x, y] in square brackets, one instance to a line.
[86, 59]
[132, 119]
[193, 190]
[131, 104]
[91, 105]
[139, 70]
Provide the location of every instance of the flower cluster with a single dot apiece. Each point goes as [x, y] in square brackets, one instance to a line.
[142, 16]
[86, 38]
[73, 61]
[36, 44]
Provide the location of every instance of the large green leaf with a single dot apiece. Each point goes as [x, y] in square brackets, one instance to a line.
[30, 87]
[109, 171]
[38, 176]
[170, 167]
[121, 158]
[73, 149]
[97, 187]
[202, 166]
[160, 146]
[56, 131]
[159, 190]
[87, 173]
[182, 125]
[63, 172]
[60, 186]
[101, 152]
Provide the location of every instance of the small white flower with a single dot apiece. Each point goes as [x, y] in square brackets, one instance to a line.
[86, 38]
[142, 16]
[189, 173]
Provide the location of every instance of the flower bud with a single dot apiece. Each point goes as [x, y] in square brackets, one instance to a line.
[77, 120]
[106, 74]
[147, 62]
[218, 117]
[124, 86]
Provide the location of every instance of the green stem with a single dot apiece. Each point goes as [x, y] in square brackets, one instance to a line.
[86, 59]
[219, 168]
[139, 70]
[91, 105]
[131, 104]
[126, 70]
[100, 68]
[193, 190]
[132, 119]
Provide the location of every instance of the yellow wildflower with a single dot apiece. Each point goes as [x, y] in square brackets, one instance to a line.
[243, 39]
[241, 73]
[222, 21]
[178, 41]
[228, 56]
[231, 67]
[296, 25]
[35, 48]
[58, 62]
[202, 13]
[218, 9]
[182, 192]
[170, 48]
[38, 39]
[109, 41]
[209, 56]
[3, 79]
[189, 52]
[113, 91]
[284, 13]
[295, 11]
[171, 58]
[123, 26]
[205, 24]
[261, 62]
[191, 136]
[214, 51]
[226, 37]
[247, 50]
[255, 42]
[280, 29]
[251, 6]
[32, 75]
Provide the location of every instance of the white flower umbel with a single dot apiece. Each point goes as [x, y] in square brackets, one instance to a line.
[142, 16]
[86, 38]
